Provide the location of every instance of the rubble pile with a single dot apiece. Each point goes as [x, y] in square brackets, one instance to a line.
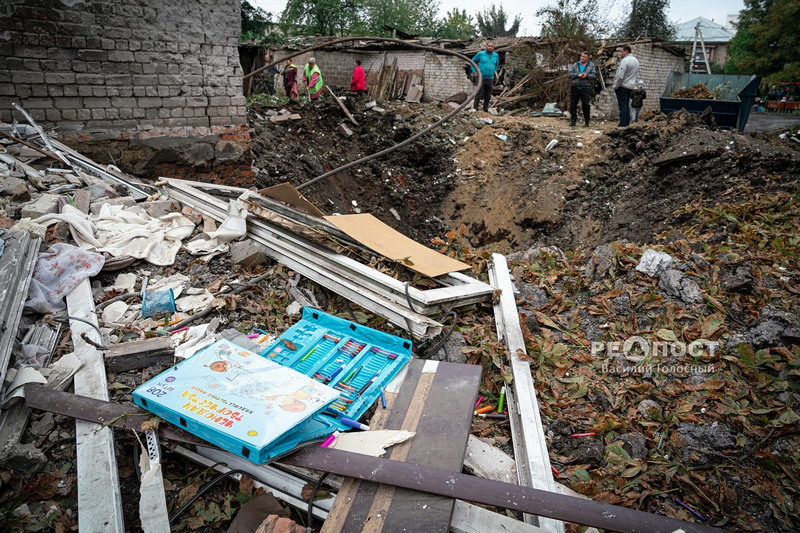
[670, 232]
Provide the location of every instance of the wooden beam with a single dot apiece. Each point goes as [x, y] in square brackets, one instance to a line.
[530, 446]
[344, 109]
[139, 354]
[99, 497]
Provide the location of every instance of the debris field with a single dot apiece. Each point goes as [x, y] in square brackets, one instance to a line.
[670, 231]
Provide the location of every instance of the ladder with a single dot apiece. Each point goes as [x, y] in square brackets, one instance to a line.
[699, 56]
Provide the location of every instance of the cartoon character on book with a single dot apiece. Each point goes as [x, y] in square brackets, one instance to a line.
[295, 402]
[224, 365]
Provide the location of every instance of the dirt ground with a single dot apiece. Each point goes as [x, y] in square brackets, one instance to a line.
[494, 175]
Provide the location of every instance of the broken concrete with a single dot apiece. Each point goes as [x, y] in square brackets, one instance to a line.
[653, 263]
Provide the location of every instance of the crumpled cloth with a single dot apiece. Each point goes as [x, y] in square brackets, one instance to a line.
[122, 231]
[59, 270]
[232, 228]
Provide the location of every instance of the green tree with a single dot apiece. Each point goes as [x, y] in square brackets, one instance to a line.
[767, 40]
[410, 16]
[320, 17]
[255, 21]
[576, 20]
[457, 25]
[492, 23]
[648, 18]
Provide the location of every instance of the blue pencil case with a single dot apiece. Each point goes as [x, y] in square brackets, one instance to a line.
[357, 361]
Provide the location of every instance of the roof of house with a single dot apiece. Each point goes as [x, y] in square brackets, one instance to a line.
[712, 32]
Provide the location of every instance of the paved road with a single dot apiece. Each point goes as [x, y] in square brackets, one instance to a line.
[770, 122]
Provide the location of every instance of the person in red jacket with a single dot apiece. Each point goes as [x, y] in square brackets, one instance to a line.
[358, 85]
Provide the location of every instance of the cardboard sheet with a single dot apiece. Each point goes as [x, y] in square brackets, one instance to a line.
[392, 244]
[289, 195]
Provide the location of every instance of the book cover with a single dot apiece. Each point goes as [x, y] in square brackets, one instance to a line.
[235, 399]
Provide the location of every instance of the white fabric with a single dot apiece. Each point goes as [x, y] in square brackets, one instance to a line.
[234, 227]
[122, 231]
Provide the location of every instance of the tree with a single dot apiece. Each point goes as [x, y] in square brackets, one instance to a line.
[410, 16]
[648, 18]
[255, 21]
[319, 17]
[767, 40]
[457, 25]
[576, 20]
[492, 23]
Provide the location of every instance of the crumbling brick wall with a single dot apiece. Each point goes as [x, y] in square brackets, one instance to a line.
[445, 76]
[160, 81]
[655, 63]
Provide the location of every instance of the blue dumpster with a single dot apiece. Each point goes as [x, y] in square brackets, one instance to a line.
[733, 109]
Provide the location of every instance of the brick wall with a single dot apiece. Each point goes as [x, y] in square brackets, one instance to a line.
[442, 75]
[445, 76]
[655, 63]
[115, 69]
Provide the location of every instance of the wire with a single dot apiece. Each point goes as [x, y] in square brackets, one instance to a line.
[67, 318]
[432, 350]
[202, 491]
[311, 498]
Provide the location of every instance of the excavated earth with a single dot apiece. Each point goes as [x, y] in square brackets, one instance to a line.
[495, 175]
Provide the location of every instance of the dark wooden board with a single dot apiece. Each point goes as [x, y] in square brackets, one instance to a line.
[436, 402]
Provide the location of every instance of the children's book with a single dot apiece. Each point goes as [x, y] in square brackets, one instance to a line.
[236, 399]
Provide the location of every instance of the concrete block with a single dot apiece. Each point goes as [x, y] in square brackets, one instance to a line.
[247, 253]
[14, 188]
[347, 132]
[283, 118]
[125, 201]
[160, 208]
[44, 205]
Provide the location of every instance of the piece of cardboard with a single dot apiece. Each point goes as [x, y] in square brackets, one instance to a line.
[393, 245]
[287, 194]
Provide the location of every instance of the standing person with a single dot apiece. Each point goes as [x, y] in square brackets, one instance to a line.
[581, 73]
[487, 61]
[358, 85]
[638, 97]
[313, 79]
[627, 73]
[271, 72]
[290, 80]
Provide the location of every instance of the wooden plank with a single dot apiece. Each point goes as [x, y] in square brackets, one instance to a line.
[99, 498]
[435, 401]
[139, 354]
[433, 480]
[341, 105]
[530, 446]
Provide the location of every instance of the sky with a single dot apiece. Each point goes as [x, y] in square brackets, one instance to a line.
[679, 10]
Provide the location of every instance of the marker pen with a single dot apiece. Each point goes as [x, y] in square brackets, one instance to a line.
[368, 383]
[332, 437]
[354, 424]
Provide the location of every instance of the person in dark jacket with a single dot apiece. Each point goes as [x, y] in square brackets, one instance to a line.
[637, 100]
[581, 73]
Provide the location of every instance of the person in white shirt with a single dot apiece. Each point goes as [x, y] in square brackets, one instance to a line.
[627, 74]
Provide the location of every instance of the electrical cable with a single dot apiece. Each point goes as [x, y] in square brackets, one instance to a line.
[65, 320]
[202, 491]
[431, 350]
[311, 498]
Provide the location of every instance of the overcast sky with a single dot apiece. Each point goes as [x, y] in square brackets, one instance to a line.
[680, 10]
